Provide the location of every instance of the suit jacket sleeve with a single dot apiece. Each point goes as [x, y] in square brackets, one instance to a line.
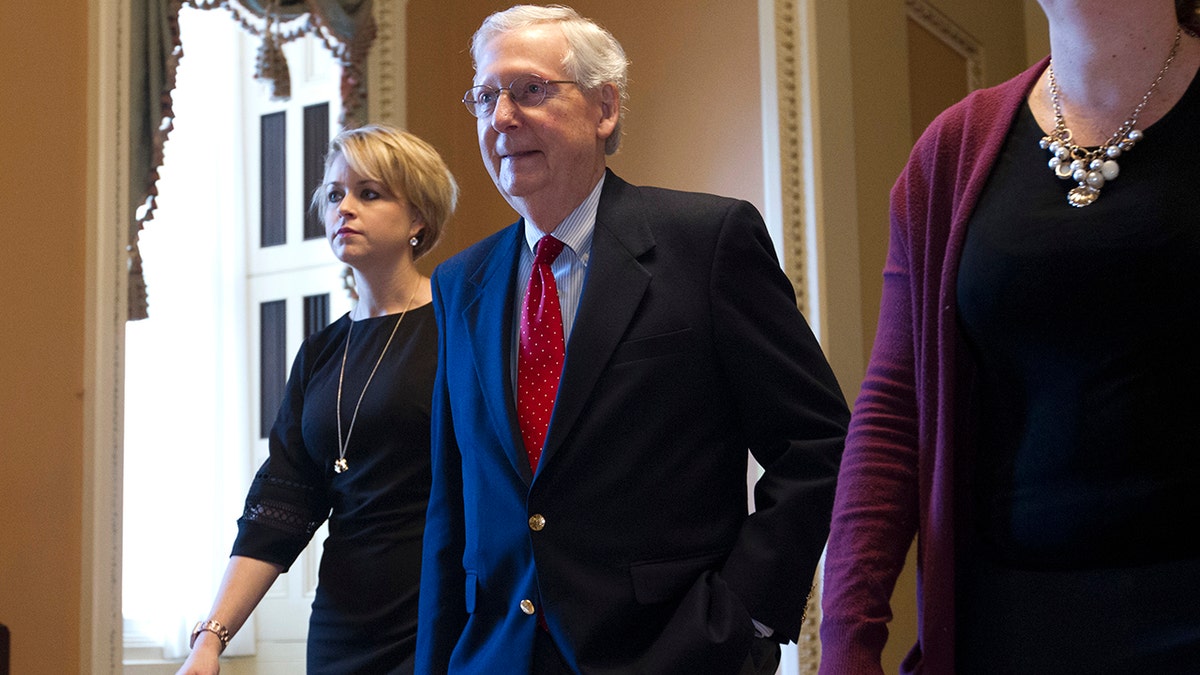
[792, 414]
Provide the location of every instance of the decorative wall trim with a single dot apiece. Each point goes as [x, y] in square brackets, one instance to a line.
[387, 65]
[108, 188]
[792, 97]
[791, 146]
[952, 35]
[808, 648]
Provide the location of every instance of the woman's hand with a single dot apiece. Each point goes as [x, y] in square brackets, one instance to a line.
[205, 656]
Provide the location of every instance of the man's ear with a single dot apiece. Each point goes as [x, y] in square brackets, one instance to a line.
[610, 109]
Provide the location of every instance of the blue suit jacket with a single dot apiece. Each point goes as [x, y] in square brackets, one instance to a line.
[687, 351]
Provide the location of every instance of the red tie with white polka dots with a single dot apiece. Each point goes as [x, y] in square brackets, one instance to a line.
[541, 352]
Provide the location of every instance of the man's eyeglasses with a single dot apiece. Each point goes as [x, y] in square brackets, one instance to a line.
[527, 91]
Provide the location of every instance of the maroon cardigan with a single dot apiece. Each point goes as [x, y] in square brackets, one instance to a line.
[897, 470]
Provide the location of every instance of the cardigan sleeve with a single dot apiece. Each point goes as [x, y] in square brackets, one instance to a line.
[875, 512]
[897, 471]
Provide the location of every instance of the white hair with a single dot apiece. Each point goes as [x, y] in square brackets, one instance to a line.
[593, 58]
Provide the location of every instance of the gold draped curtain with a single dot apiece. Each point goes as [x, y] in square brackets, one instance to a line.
[346, 27]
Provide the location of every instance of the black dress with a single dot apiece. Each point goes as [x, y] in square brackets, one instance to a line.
[364, 615]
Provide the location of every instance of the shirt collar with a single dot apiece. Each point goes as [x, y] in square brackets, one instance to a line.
[576, 230]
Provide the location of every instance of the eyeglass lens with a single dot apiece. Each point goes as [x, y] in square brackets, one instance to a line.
[526, 92]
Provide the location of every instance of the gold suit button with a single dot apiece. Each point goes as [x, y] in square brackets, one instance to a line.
[527, 607]
[536, 522]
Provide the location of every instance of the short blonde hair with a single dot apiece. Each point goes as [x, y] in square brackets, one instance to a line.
[404, 165]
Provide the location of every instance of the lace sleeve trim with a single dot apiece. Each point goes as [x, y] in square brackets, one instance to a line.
[285, 505]
[285, 517]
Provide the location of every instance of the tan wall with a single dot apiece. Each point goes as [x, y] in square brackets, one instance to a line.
[43, 180]
[883, 120]
[694, 115]
[1037, 32]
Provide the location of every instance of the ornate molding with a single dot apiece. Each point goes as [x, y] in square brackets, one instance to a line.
[386, 64]
[791, 96]
[101, 639]
[952, 35]
[791, 145]
[808, 647]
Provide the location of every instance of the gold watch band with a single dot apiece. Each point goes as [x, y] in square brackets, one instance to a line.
[213, 627]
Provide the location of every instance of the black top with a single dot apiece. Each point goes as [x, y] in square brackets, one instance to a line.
[364, 616]
[1083, 326]
[1084, 323]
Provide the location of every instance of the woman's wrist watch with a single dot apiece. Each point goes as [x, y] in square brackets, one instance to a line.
[213, 627]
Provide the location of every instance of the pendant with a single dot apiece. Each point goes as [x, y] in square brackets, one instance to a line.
[340, 465]
[1082, 196]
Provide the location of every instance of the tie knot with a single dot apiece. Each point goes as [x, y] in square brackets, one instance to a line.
[548, 249]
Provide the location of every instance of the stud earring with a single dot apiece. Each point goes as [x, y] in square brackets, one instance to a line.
[414, 241]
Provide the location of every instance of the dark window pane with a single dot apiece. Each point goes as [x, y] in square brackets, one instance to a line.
[316, 313]
[274, 179]
[273, 362]
[316, 140]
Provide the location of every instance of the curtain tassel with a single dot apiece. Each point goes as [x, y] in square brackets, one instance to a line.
[271, 66]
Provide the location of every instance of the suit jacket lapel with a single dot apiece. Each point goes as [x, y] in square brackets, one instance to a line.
[616, 281]
[489, 321]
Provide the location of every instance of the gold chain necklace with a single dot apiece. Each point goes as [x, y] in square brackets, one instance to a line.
[1093, 168]
[340, 465]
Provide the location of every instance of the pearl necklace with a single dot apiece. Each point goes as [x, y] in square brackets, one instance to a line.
[340, 465]
[1093, 168]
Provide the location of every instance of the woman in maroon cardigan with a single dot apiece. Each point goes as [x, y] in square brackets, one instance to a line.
[1028, 408]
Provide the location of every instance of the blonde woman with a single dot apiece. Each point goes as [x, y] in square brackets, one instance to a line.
[351, 440]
